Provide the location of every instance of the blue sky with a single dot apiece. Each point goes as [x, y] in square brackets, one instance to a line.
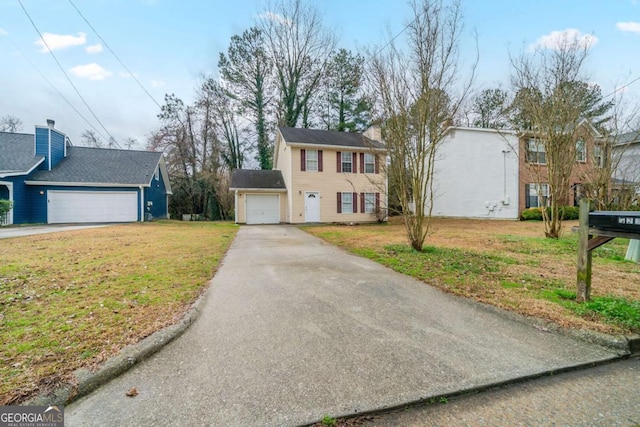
[169, 44]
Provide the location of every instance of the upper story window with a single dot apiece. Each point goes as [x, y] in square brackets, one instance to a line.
[347, 162]
[536, 152]
[369, 163]
[312, 160]
[598, 156]
[581, 151]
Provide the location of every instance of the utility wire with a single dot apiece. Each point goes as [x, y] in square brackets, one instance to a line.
[114, 54]
[618, 89]
[112, 139]
[56, 89]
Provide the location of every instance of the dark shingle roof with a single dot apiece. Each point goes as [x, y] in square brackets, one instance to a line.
[104, 166]
[627, 138]
[262, 179]
[17, 152]
[326, 137]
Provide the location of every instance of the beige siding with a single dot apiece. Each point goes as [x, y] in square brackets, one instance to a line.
[283, 163]
[241, 197]
[328, 183]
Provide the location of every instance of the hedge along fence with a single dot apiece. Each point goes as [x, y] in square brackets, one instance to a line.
[535, 214]
[5, 207]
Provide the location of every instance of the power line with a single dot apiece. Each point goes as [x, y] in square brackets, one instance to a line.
[112, 139]
[114, 54]
[55, 88]
[618, 89]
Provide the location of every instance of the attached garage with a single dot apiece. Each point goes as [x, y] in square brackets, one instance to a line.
[91, 206]
[262, 208]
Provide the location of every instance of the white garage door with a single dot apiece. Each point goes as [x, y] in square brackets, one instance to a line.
[263, 208]
[92, 206]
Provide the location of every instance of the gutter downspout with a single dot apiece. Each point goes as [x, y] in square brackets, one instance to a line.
[141, 203]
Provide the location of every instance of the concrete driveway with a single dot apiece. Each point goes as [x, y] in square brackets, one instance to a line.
[7, 232]
[294, 329]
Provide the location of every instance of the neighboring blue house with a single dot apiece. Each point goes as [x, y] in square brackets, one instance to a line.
[50, 181]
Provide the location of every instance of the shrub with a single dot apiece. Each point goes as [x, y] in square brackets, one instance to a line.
[5, 206]
[535, 214]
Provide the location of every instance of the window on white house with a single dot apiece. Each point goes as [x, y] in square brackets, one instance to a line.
[369, 163]
[581, 151]
[598, 156]
[312, 160]
[537, 195]
[536, 152]
[369, 202]
[347, 162]
[347, 202]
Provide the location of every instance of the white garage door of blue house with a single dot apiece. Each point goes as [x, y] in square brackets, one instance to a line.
[262, 208]
[92, 206]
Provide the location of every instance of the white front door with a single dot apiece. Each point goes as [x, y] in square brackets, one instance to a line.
[311, 206]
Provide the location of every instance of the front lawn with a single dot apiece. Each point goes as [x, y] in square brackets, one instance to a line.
[73, 299]
[509, 265]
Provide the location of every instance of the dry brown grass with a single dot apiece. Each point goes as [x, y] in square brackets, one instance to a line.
[510, 265]
[73, 299]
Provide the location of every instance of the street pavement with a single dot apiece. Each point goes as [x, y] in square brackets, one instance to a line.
[8, 232]
[607, 396]
[294, 329]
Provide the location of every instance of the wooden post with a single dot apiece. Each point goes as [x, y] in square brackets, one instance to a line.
[584, 254]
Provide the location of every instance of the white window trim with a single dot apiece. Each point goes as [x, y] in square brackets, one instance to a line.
[350, 195]
[583, 158]
[539, 149]
[310, 161]
[343, 162]
[369, 203]
[372, 162]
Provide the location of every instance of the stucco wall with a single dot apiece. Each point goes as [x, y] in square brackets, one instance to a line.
[476, 175]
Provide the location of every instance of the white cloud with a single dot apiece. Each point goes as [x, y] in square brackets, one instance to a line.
[60, 41]
[270, 16]
[94, 48]
[555, 39]
[91, 71]
[3, 32]
[632, 27]
[157, 83]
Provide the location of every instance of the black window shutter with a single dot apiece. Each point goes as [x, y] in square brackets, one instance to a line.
[355, 202]
[339, 163]
[339, 202]
[303, 160]
[319, 160]
[527, 203]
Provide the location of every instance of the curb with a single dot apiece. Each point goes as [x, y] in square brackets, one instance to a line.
[85, 381]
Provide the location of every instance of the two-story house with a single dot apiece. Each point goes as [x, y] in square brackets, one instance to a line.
[489, 173]
[318, 176]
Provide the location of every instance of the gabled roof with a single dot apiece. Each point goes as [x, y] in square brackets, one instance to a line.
[329, 138]
[17, 153]
[257, 180]
[102, 166]
[627, 138]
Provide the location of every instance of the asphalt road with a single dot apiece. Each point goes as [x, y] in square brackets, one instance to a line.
[294, 329]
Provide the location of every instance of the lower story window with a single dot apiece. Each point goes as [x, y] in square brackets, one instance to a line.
[347, 202]
[536, 195]
[369, 202]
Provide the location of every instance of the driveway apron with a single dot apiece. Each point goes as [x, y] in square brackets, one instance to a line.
[294, 329]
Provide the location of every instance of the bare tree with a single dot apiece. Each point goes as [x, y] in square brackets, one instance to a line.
[550, 108]
[489, 108]
[419, 90]
[300, 48]
[10, 124]
[90, 138]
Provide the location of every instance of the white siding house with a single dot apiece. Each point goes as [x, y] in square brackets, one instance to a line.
[476, 174]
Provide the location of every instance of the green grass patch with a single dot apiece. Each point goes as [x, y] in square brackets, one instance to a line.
[74, 298]
[611, 309]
